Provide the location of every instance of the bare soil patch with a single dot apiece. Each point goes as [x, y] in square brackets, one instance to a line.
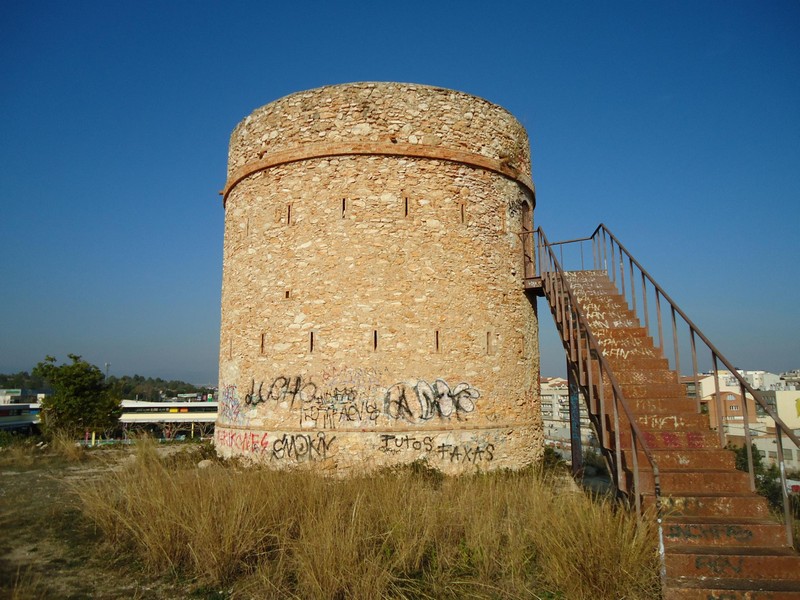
[48, 549]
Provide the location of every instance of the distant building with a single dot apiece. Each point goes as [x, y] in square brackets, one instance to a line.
[792, 378]
[21, 396]
[169, 419]
[780, 392]
[734, 407]
[555, 414]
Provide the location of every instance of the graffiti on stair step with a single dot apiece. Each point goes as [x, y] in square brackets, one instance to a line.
[599, 320]
[688, 532]
[624, 353]
[662, 421]
[719, 565]
[630, 342]
[736, 596]
[684, 504]
[668, 439]
[645, 378]
[590, 306]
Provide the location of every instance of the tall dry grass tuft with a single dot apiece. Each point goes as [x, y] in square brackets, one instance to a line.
[27, 585]
[404, 533]
[595, 549]
[65, 446]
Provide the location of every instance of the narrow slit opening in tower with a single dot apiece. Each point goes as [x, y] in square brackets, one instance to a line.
[311, 342]
[263, 341]
[462, 212]
[436, 340]
[405, 207]
[288, 214]
[344, 207]
[374, 340]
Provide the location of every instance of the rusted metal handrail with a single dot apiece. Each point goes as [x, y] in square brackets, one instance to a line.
[575, 332]
[605, 244]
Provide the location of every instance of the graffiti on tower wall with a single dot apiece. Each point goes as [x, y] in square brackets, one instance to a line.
[348, 398]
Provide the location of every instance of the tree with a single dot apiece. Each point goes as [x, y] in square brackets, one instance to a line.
[768, 482]
[81, 400]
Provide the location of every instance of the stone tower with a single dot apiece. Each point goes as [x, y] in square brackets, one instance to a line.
[373, 307]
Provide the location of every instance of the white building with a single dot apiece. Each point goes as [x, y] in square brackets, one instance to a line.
[554, 395]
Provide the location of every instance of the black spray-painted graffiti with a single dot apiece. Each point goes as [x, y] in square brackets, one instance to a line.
[302, 447]
[342, 406]
[424, 401]
[393, 444]
[282, 389]
[464, 453]
[322, 410]
[459, 453]
[328, 409]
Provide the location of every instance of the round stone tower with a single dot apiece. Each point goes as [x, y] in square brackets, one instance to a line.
[373, 304]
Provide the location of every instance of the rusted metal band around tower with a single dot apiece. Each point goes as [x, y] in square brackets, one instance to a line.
[309, 151]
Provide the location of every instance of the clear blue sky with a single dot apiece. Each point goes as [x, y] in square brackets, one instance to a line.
[675, 123]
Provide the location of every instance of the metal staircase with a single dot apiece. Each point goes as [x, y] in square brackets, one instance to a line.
[718, 538]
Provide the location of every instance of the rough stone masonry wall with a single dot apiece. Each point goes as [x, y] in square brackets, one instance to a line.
[373, 310]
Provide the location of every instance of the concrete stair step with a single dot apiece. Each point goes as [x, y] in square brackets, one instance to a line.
[760, 590]
[711, 505]
[643, 363]
[687, 533]
[621, 351]
[600, 282]
[686, 481]
[591, 303]
[656, 405]
[646, 359]
[622, 334]
[685, 458]
[634, 375]
[675, 440]
[594, 288]
[653, 390]
[733, 565]
[673, 422]
[607, 320]
[595, 284]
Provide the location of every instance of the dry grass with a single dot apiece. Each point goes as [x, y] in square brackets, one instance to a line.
[22, 451]
[28, 586]
[66, 447]
[405, 533]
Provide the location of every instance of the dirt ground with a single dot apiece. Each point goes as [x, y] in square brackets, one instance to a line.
[48, 550]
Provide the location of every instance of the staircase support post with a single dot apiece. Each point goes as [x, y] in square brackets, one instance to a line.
[575, 421]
